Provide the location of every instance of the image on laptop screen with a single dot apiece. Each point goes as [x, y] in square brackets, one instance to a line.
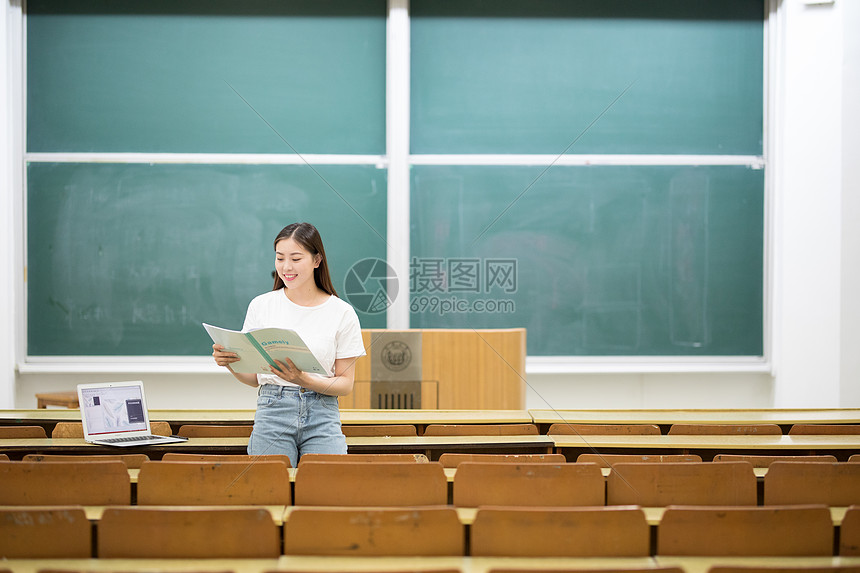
[113, 409]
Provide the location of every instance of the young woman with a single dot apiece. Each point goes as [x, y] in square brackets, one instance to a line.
[297, 412]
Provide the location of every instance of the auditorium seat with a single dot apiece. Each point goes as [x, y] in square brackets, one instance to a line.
[377, 532]
[604, 429]
[662, 484]
[182, 533]
[65, 483]
[452, 460]
[560, 532]
[379, 430]
[746, 531]
[481, 430]
[131, 461]
[834, 484]
[725, 430]
[45, 533]
[505, 484]
[214, 431]
[213, 483]
[27, 432]
[365, 484]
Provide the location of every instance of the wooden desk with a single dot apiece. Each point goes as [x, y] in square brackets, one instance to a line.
[703, 564]
[176, 418]
[345, 564]
[665, 418]
[432, 446]
[841, 446]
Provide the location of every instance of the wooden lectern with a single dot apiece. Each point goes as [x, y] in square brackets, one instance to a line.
[441, 369]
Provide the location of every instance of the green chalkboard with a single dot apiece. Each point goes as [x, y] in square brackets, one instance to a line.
[130, 259]
[530, 77]
[163, 76]
[593, 260]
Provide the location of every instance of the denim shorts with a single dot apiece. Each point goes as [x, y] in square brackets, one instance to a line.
[294, 421]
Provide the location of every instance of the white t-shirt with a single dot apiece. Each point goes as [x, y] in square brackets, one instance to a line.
[331, 330]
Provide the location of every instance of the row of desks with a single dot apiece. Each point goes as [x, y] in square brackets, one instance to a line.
[538, 416]
[841, 446]
[281, 513]
[436, 564]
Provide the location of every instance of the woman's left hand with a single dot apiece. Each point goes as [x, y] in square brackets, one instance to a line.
[286, 370]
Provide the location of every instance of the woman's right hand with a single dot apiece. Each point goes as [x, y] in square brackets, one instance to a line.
[223, 358]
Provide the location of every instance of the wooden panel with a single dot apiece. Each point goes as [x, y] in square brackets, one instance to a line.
[467, 369]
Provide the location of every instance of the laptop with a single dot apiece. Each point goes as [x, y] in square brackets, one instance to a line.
[114, 414]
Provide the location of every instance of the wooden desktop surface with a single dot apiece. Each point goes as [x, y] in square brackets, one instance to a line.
[464, 564]
[357, 444]
[782, 416]
[245, 416]
[345, 564]
[733, 442]
[281, 513]
[700, 416]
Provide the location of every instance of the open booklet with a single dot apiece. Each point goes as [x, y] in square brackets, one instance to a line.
[258, 349]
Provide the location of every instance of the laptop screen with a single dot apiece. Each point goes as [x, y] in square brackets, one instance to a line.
[112, 409]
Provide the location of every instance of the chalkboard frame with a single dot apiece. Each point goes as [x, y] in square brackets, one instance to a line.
[658, 363]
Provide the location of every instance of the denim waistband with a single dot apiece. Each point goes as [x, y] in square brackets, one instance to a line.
[279, 390]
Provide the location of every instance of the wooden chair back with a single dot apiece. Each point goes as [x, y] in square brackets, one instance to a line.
[506, 484]
[662, 484]
[181, 533]
[765, 461]
[854, 458]
[45, 533]
[367, 458]
[608, 460]
[76, 429]
[4, 458]
[824, 429]
[25, 432]
[725, 430]
[378, 532]
[452, 460]
[65, 483]
[481, 430]
[791, 483]
[380, 430]
[214, 431]
[604, 429]
[746, 531]
[557, 532]
[849, 532]
[131, 461]
[215, 458]
[379, 484]
[213, 483]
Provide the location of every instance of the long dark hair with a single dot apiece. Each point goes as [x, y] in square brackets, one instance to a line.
[309, 238]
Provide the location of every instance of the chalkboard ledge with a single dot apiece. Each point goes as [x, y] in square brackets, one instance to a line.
[120, 365]
[536, 365]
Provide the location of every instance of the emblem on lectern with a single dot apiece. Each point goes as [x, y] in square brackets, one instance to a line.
[396, 355]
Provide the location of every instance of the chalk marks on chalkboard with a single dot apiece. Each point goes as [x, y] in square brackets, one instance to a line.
[688, 254]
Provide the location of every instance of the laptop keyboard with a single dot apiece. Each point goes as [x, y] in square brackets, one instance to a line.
[131, 439]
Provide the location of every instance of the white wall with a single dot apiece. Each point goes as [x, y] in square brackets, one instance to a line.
[850, 305]
[816, 320]
[7, 275]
